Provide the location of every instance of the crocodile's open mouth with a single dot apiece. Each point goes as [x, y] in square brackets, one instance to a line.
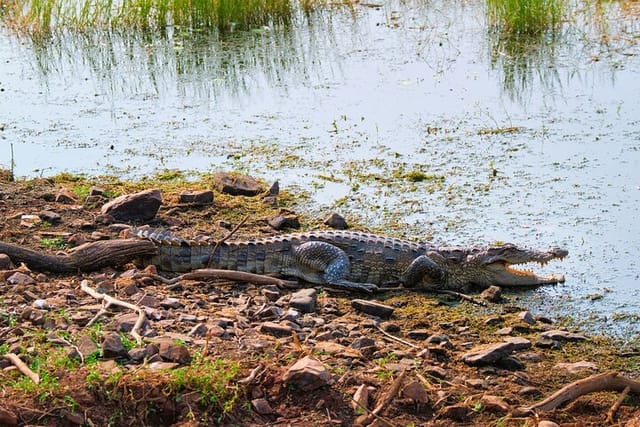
[505, 274]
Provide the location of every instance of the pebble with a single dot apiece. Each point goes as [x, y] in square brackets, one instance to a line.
[336, 221]
[276, 329]
[199, 197]
[172, 352]
[22, 279]
[492, 294]
[281, 222]
[50, 217]
[416, 392]
[372, 308]
[112, 346]
[307, 374]
[418, 334]
[527, 317]
[560, 335]
[262, 406]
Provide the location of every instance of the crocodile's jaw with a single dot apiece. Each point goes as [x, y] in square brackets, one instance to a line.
[504, 274]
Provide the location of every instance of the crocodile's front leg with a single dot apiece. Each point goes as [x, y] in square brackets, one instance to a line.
[324, 264]
[424, 267]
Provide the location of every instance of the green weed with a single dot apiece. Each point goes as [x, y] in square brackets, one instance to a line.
[53, 243]
[525, 17]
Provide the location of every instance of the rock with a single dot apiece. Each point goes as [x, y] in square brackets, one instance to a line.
[8, 417]
[274, 190]
[30, 221]
[360, 398]
[171, 303]
[519, 343]
[276, 329]
[459, 412]
[488, 355]
[86, 346]
[125, 322]
[505, 331]
[236, 185]
[418, 334]
[112, 346]
[560, 335]
[526, 317]
[492, 321]
[530, 391]
[494, 404]
[416, 392]
[65, 196]
[492, 294]
[307, 374]
[546, 342]
[546, 423]
[262, 406]
[200, 197]
[50, 217]
[141, 206]
[174, 352]
[362, 342]
[304, 300]
[511, 363]
[280, 222]
[18, 278]
[372, 308]
[199, 330]
[435, 371]
[577, 366]
[5, 262]
[336, 221]
[72, 418]
[390, 327]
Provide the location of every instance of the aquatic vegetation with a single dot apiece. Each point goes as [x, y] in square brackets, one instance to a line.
[525, 17]
[43, 16]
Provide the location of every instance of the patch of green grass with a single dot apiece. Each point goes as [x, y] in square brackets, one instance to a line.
[43, 16]
[525, 17]
[53, 243]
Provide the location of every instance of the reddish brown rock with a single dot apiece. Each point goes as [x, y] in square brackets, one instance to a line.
[236, 185]
[141, 206]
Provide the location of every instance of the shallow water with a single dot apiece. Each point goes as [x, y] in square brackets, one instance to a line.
[542, 149]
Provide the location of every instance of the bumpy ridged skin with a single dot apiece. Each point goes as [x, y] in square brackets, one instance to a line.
[373, 259]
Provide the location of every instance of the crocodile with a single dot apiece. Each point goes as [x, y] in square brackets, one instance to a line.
[357, 260]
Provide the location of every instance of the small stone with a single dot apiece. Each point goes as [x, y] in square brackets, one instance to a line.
[492, 321]
[487, 355]
[271, 294]
[459, 412]
[560, 335]
[276, 329]
[416, 392]
[304, 300]
[280, 222]
[112, 346]
[495, 404]
[184, 317]
[336, 221]
[492, 294]
[530, 391]
[5, 262]
[418, 334]
[125, 322]
[274, 190]
[577, 366]
[198, 330]
[526, 317]
[390, 327]
[50, 217]
[307, 374]
[476, 383]
[200, 197]
[236, 185]
[141, 206]
[8, 417]
[86, 346]
[171, 303]
[262, 406]
[546, 342]
[174, 352]
[362, 342]
[65, 196]
[30, 221]
[546, 423]
[519, 343]
[505, 331]
[511, 363]
[18, 278]
[372, 308]
[435, 371]
[148, 301]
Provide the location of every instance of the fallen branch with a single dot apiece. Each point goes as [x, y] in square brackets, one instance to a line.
[88, 257]
[614, 408]
[609, 381]
[385, 400]
[394, 338]
[22, 367]
[216, 274]
[108, 301]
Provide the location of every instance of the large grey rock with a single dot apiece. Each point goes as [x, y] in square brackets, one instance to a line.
[307, 374]
[141, 206]
[304, 300]
[236, 185]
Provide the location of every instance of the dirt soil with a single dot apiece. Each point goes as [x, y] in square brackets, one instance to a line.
[227, 346]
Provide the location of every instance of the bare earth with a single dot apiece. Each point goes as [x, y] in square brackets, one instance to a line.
[227, 346]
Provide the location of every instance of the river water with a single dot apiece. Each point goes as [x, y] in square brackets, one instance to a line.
[537, 144]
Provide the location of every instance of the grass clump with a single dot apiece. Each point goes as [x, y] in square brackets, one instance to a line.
[44, 16]
[525, 17]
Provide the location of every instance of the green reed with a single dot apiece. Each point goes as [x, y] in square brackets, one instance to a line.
[43, 16]
[525, 17]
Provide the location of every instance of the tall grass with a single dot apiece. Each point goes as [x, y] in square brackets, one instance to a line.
[42, 16]
[525, 17]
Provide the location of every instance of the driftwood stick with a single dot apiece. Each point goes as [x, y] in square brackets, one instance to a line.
[22, 367]
[394, 338]
[236, 276]
[608, 381]
[614, 408]
[87, 257]
[108, 301]
[385, 400]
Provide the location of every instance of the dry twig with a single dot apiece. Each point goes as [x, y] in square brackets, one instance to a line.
[224, 239]
[614, 408]
[108, 301]
[22, 367]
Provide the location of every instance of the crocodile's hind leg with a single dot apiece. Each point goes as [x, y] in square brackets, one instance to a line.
[325, 264]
